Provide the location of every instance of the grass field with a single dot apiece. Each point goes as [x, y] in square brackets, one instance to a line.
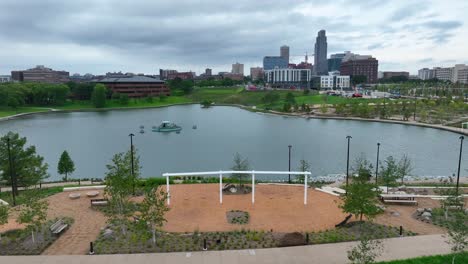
[439, 259]
[219, 95]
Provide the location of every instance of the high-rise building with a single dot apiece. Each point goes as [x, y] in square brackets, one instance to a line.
[41, 74]
[256, 73]
[164, 73]
[459, 74]
[334, 62]
[272, 62]
[426, 74]
[287, 78]
[443, 74]
[360, 65]
[208, 72]
[237, 68]
[389, 74]
[284, 52]
[320, 62]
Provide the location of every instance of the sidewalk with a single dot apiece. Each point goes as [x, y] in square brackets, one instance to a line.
[395, 248]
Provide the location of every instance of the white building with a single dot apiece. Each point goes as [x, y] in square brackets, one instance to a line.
[288, 77]
[335, 81]
[443, 74]
[426, 74]
[5, 78]
[460, 74]
[237, 68]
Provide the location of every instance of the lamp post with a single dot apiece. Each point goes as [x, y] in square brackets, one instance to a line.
[347, 163]
[13, 189]
[377, 164]
[459, 161]
[289, 167]
[131, 154]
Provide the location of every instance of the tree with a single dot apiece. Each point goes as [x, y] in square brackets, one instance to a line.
[99, 95]
[361, 199]
[303, 166]
[119, 185]
[66, 165]
[240, 164]
[123, 100]
[390, 172]
[286, 107]
[323, 108]
[270, 98]
[28, 168]
[404, 167]
[366, 251]
[362, 168]
[290, 99]
[4, 212]
[33, 213]
[458, 233]
[153, 209]
[358, 79]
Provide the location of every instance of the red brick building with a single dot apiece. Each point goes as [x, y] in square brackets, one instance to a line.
[368, 67]
[136, 86]
[181, 75]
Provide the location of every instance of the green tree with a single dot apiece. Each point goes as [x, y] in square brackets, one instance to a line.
[33, 213]
[290, 99]
[28, 168]
[366, 251]
[362, 168]
[358, 79]
[458, 233]
[240, 164]
[66, 165]
[149, 99]
[287, 107]
[361, 199]
[303, 166]
[270, 98]
[119, 185]
[153, 209]
[124, 100]
[390, 172]
[405, 167]
[99, 95]
[323, 108]
[4, 212]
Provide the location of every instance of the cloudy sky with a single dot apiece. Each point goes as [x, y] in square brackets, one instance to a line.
[142, 36]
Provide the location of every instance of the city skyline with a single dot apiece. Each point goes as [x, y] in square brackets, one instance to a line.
[85, 36]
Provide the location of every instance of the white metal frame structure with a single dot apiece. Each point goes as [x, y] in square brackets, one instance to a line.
[221, 173]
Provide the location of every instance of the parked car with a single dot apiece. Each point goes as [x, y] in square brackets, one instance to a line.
[357, 95]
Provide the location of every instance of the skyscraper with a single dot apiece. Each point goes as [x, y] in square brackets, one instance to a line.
[284, 52]
[237, 68]
[320, 62]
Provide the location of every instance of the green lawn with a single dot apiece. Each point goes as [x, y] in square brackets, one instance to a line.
[9, 111]
[39, 193]
[438, 259]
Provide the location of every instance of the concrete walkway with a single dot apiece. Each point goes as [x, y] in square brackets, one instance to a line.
[395, 248]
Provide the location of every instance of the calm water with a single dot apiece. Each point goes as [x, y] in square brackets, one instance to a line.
[92, 138]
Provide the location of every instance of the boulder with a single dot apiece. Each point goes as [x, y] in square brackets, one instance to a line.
[420, 211]
[427, 219]
[292, 239]
[429, 210]
[108, 233]
[426, 214]
[393, 213]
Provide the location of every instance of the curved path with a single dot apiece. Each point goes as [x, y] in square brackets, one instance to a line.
[86, 228]
[394, 248]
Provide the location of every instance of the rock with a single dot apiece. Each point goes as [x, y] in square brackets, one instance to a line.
[393, 213]
[108, 233]
[429, 210]
[427, 219]
[426, 214]
[233, 189]
[292, 239]
[466, 211]
[420, 211]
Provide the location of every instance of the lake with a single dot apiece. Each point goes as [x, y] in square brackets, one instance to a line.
[91, 138]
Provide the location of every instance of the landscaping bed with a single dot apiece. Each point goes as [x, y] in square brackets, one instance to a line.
[138, 238]
[19, 241]
[237, 217]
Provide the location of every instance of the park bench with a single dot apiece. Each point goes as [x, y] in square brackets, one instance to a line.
[399, 198]
[400, 201]
[99, 202]
[58, 227]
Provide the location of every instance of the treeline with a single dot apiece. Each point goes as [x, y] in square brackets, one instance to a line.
[223, 82]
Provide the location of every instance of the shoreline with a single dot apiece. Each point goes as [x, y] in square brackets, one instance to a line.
[459, 131]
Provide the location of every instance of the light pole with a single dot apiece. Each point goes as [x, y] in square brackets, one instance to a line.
[347, 164]
[131, 154]
[459, 161]
[377, 164]
[13, 189]
[289, 167]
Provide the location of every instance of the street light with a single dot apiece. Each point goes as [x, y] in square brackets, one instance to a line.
[131, 154]
[289, 168]
[459, 161]
[347, 164]
[377, 164]
[13, 185]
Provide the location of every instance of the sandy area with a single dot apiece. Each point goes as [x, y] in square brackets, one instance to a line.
[281, 208]
[406, 220]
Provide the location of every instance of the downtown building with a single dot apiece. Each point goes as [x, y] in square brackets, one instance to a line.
[320, 58]
[360, 65]
[284, 52]
[238, 68]
[334, 62]
[41, 74]
[335, 81]
[455, 74]
[256, 73]
[288, 78]
[5, 78]
[391, 74]
[136, 86]
[426, 74]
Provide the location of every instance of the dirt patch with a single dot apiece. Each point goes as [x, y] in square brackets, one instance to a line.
[292, 239]
[277, 207]
[402, 215]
